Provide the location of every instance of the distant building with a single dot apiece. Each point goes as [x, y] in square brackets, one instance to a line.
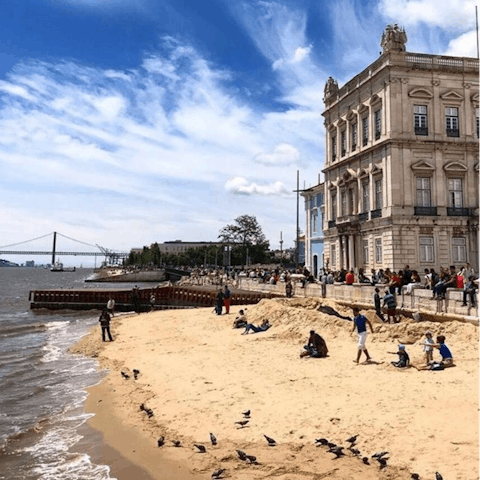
[401, 166]
[314, 241]
[30, 263]
[177, 247]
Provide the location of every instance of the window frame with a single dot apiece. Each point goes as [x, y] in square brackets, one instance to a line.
[452, 123]
[378, 250]
[334, 147]
[420, 120]
[343, 143]
[333, 206]
[417, 190]
[354, 135]
[459, 250]
[455, 195]
[378, 123]
[378, 193]
[365, 196]
[365, 131]
[365, 251]
[426, 248]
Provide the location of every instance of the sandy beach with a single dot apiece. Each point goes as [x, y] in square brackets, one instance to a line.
[198, 375]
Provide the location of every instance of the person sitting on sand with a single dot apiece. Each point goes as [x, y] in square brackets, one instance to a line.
[261, 328]
[316, 346]
[403, 358]
[240, 321]
[447, 357]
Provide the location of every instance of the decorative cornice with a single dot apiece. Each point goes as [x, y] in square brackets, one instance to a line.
[455, 167]
[451, 96]
[423, 166]
[419, 92]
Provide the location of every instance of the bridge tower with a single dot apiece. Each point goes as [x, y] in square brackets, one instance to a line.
[53, 250]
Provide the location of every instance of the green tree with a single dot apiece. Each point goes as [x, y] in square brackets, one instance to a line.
[247, 237]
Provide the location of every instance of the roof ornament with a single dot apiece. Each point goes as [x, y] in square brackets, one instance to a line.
[393, 39]
[331, 88]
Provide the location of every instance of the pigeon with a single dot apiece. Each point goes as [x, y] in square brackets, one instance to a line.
[337, 452]
[352, 440]
[438, 476]
[177, 443]
[355, 451]
[213, 439]
[242, 455]
[271, 441]
[415, 476]
[201, 448]
[246, 414]
[125, 376]
[161, 441]
[365, 461]
[149, 412]
[331, 445]
[242, 423]
[217, 473]
[251, 458]
[379, 454]
[321, 441]
[382, 462]
[136, 373]
[142, 406]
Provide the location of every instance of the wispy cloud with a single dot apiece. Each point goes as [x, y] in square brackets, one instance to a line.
[241, 186]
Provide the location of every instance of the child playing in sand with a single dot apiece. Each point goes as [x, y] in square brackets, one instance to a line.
[428, 347]
[447, 357]
[403, 358]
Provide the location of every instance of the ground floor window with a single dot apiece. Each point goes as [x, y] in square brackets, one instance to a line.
[378, 250]
[365, 251]
[334, 255]
[426, 249]
[459, 250]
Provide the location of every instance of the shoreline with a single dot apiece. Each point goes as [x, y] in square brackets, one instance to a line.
[198, 375]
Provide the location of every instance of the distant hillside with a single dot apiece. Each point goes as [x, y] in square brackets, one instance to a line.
[6, 263]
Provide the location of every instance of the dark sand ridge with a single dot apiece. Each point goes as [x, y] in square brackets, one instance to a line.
[198, 375]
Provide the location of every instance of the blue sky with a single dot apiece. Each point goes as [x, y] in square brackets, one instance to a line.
[126, 122]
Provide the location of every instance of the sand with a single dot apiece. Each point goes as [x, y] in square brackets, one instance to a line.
[198, 375]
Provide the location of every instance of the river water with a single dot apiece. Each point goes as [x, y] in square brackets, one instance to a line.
[43, 388]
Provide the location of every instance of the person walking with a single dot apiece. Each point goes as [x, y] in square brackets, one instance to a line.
[226, 299]
[105, 324]
[360, 323]
[391, 304]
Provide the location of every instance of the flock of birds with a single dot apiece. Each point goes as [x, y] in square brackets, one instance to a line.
[337, 450]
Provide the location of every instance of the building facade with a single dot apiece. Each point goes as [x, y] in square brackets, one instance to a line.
[401, 163]
[314, 241]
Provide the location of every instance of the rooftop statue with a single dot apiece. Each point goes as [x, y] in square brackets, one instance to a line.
[331, 87]
[394, 39]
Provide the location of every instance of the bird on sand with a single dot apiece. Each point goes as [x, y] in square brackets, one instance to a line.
[177, 443]
[136, 373]
[161, 441]
[125, 376]
[149, 412]
[379, 454]
[331, 445]
[242, 455]
[201, 448]
[352, 440]
[321, 441]
[217, 473]
[438, 476]
[337, 451]
[242, 423]
[213, 439]
[251, 458]
[246, 414]
[142, 406]
[271, 441]
[355, 451]
[365, 461]
[382, 462]
[415, 476]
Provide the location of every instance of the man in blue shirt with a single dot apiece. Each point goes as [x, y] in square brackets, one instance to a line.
[360, 323]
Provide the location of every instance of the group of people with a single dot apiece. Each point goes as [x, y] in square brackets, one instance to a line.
[223, 299]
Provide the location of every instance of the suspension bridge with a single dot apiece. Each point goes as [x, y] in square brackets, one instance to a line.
[110, 255]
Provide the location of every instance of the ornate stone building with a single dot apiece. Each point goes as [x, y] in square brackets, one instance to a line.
[401, 166]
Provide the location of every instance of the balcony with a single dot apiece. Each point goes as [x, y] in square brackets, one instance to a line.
[432, 211]
[453, 132]
[458, 212]
[421, 131]
[363, 217]
[332, 224]
[376, 213]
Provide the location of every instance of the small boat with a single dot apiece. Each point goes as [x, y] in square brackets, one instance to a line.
[58, 267]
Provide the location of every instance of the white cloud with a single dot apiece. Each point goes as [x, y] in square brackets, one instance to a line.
[301, 53]
[16, 90]
[242, 186]
[458, 14]
[282, 154]
[464, 45]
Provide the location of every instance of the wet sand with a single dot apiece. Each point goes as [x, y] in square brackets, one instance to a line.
[198, 375]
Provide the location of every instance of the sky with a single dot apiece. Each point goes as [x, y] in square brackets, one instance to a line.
[128, 122]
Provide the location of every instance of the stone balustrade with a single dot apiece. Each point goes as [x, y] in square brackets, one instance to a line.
[362, 295]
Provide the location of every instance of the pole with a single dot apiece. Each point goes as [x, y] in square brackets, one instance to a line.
[54, 246]
[281, 249]
[476, 25]
[297, 250]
